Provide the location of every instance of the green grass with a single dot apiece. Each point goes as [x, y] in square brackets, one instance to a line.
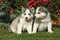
[5, 35]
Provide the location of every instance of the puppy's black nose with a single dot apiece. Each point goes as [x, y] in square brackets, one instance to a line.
[26, 17]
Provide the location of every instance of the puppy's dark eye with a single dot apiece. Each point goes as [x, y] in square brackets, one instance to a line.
[38, 12]
[29, 14]
[24, 14]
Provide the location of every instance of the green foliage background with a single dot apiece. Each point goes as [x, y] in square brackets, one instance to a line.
[17, 9]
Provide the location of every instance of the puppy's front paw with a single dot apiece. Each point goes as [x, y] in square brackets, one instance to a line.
[19, 33]
[30, 33]
[50, 31]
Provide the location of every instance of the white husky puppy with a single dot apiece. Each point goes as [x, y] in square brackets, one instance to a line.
[13, 26]
[43, 20]
[26, 20]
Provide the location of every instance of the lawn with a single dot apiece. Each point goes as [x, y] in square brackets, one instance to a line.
[5, 35]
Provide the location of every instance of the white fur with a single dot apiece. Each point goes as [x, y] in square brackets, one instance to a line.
[13, 26]
[25, 24]
[42, 23]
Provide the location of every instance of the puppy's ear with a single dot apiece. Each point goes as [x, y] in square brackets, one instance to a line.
[23, 9]
[40, 8]
[32, 9]
[44, 9]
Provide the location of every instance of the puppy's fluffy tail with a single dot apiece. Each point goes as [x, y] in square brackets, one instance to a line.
[9, 30]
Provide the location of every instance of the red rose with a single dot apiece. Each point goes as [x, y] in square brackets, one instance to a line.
[50, 4]
[34, 4]
[1, 3]
[58, 11]
[32, 0]
[31, 3]
[11, 11]
[45, 1]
